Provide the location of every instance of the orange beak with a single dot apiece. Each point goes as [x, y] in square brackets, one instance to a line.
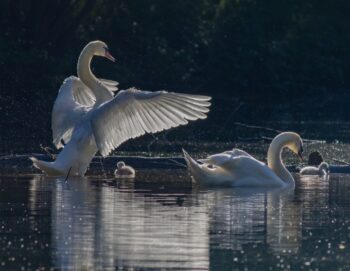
[109, 56]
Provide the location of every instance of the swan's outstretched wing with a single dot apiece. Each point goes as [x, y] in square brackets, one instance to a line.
[133, 113]
[74, 99]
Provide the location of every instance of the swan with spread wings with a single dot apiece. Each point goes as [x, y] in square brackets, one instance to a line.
[88, 117]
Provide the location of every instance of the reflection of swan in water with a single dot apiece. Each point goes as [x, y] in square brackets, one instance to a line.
[101, 226]
[39, 201]
[147, 231]
[254, 216]
[317, 202]
[242, 170]
[283, 223]
[98, 225]
[73, 224]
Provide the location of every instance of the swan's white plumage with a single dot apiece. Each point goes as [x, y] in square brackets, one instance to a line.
[238, 171]
[88, 117]
[133, 113]
[238, 168]
[72, 103]
[251, 172]
[124, 171]
[321, 170]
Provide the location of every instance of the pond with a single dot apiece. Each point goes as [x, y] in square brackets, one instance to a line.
[89, 224]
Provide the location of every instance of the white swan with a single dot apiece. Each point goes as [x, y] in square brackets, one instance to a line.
[124, 171]
[88, 118]
[321, 170]
[243, 170]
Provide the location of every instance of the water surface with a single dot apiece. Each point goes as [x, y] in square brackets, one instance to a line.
[107, 224]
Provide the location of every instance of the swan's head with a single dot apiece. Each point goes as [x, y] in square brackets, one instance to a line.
[99, 48]
[290, 140]
[120, 164]
[295, 144]
[324, 166]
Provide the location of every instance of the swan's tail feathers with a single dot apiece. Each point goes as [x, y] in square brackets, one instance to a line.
[47, 167]
[192, 165]
[198, 172]
[189, 160]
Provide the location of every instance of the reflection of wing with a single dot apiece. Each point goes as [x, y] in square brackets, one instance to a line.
[132, 113]
[74, 99]
[104, 226]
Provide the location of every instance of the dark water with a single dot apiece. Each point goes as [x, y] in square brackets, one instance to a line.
[89, 224]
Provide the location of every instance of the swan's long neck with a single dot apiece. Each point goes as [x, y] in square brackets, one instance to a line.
[274, 160]
[89, 79]
[84, 71]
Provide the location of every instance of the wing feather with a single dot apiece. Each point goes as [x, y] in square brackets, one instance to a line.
[110, 84]
[132, 113]
[73, 101]
[184, 111]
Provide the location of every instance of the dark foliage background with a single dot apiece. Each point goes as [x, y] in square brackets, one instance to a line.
[271, 60]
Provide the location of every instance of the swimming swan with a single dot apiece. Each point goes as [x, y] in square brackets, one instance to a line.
[243, 170]
[88, 118]
[124, 171]
[321, 170]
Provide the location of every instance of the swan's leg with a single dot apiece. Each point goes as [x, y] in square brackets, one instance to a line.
[66, 179]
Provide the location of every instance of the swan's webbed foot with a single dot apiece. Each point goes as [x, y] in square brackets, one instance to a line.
[49, 151]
